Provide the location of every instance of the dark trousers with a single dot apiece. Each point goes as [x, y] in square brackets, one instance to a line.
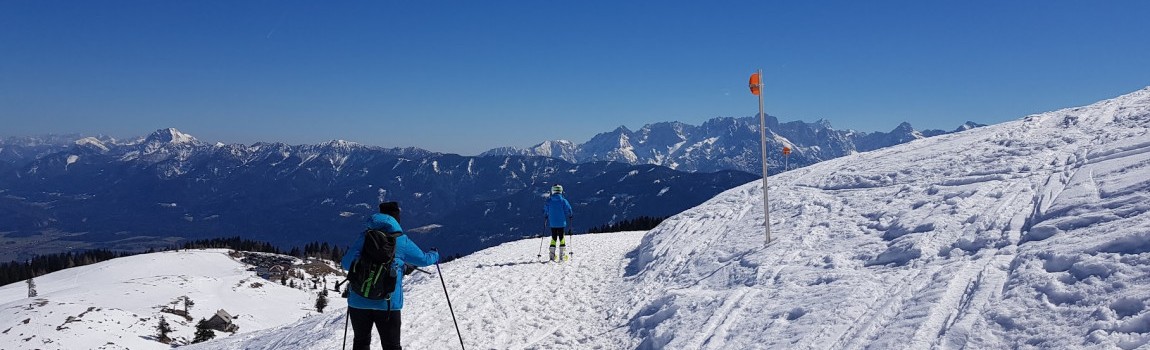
[386, 323]
[557, 236]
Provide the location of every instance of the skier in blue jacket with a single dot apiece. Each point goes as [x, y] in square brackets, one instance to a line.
[557, 210]
[365, 312]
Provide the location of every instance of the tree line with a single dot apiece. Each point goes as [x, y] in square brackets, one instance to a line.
[15, 271]
[642, 223]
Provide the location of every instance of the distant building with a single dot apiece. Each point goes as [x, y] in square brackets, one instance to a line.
[222, 321]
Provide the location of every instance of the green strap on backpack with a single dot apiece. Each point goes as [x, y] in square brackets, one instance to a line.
[373, 273]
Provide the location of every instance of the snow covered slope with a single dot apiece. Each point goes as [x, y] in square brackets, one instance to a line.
[504, 298]
[115, 304]
[1032, 233]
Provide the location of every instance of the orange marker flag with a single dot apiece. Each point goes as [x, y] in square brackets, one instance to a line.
[754, 84]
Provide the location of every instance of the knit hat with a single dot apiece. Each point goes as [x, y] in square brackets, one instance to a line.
[390, 208]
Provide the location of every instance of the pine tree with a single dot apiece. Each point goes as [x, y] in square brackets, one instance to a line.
[32, 288]
[203, 333]
[162, 330]
[321, 301]
[188, 303]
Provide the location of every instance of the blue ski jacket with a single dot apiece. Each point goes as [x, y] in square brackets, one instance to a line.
[405, 252]
[557, 209]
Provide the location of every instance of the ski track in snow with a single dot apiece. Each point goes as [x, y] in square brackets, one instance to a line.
[935, 233]
[527, 303]
[504, 298]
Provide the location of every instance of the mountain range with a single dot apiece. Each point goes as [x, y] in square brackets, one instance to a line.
[169, 186]
[724, 144]
[63, 192]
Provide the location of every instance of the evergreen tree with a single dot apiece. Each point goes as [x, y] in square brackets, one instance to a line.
[203, 333]
[188, 303]
[321, 301]
[162, 330]
[31, 288]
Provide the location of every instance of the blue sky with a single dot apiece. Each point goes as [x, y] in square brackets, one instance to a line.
[466, 76]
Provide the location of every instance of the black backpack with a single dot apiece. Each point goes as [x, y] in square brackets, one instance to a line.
[373, 273]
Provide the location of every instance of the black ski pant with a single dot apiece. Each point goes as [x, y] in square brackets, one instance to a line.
[557, 236]
[385, 322]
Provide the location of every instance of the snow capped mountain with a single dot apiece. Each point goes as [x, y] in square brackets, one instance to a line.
[561, 149]
[169, 135]
[1026, 234]
[723, 144]
[169, 186]
[19, 150]
[117, 304]
[94, 143]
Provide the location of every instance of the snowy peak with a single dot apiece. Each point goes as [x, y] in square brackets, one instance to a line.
[93, 143]
[968, 125]
[903, 128]
[726, 143]
[341, 144]
[559, 149]
[169, 135]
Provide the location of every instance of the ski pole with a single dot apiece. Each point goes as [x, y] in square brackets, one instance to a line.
[346, 316]
[539, 255]
[346, 313]
[449, 308]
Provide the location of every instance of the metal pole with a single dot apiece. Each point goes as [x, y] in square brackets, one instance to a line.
[539, 255]
[449, 308]
[346, 316]
[763, 143]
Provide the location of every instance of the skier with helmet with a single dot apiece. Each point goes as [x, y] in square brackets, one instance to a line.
[557, 211]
